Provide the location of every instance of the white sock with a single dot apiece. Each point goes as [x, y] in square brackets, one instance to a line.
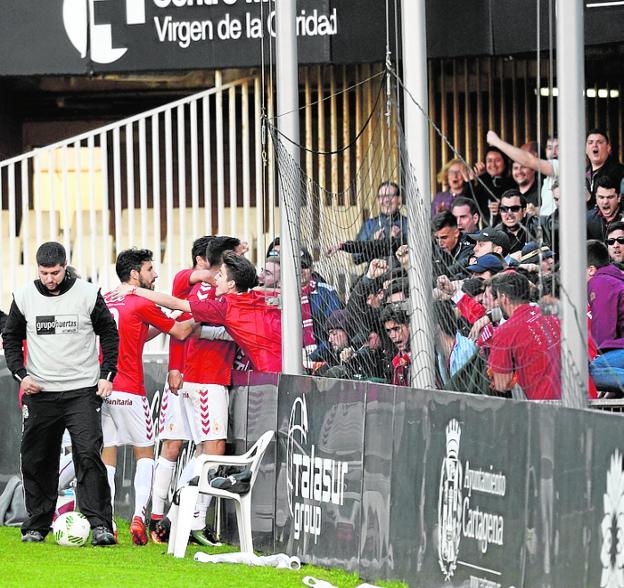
[185, 476]
[110, 473]
[142, 485]
[163, 473]
[199, 516]
[67, 473]
[187, 473]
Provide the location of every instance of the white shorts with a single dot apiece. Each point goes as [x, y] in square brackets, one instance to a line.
[127, 420]
[204, 408]
[171, 425]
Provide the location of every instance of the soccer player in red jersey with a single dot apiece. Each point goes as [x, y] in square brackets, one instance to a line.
[254, 324]
[526, 347]
[199, 372]
[126, 414]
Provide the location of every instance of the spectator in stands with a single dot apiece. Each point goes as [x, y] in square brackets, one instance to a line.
[318, 298]
[537, 259]
[607, 210]
[450, 254]
[466, 214]
[382, 235]
[550, 223]
[397, 291]
[490, 241]
[351, 354]
[525, 349]
[367, 295]
[452, 176]
[615, 244]
[605, 294]
[527, 185]
[388, 224]
[493, 181]
[601, 162]
[529, 159]
[519, 227]
[396, 324]
[270, 275]
[487, 266]
[454, 351]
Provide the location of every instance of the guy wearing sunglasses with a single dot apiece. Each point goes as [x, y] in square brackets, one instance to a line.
[608, 208]
[615, 244]
[519, 227]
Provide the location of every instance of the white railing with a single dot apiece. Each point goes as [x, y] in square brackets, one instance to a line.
[153, 180]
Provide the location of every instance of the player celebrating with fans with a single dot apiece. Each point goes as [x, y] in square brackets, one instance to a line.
[126, 415]
[254, 324]
[200, 370]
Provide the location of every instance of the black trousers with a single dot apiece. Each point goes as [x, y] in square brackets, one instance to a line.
[46, 416]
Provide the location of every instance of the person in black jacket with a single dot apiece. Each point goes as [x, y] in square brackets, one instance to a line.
[64, 385]
[601, 162]
[608, 208]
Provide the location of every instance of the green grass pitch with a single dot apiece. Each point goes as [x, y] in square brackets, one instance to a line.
[50, 565]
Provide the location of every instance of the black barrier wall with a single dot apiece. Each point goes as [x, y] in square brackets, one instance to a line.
[435, 488]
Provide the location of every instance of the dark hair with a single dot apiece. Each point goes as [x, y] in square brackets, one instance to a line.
[513, 193]
[398, 285]
[444, 313]
[597, 253]
[393, 312]
[607, 183]
[516, 286]
[131, 259]
[391, 184]
[491, 148]
[217, 247]
[473, 286]
[551, 286]
[462, 201]
[597, 131]
[240, 270]
[50, 254]
[443, 219]
[616, 226]
[272, 245]
[199, 248]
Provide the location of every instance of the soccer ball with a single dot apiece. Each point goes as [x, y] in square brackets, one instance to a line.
[71, 529]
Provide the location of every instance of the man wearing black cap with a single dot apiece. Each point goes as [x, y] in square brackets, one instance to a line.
[490, 241]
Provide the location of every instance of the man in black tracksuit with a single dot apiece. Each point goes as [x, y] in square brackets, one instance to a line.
[64, 385]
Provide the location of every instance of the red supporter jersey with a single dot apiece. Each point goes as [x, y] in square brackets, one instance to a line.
[528, 344]
[133, 316]
[252, 323]
[177, 349]
[208, 362]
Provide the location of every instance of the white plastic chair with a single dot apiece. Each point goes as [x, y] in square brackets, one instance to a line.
[182, 514]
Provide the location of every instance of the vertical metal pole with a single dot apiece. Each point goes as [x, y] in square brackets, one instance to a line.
[571, 115]
[288, 124]
[418, 198]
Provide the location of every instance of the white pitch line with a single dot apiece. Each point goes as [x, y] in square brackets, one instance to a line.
[601, 4]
